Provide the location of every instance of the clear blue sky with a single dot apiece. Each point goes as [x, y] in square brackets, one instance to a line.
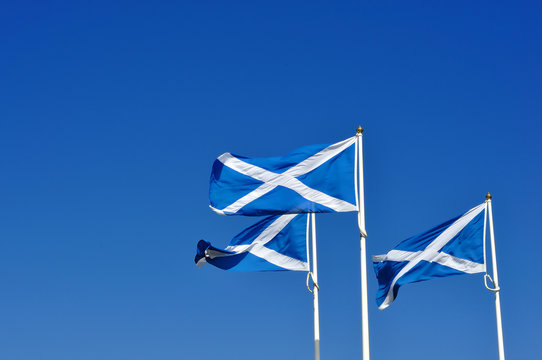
[111, 115]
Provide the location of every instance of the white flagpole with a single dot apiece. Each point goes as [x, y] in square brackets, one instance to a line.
[495, 279]
[315, 291]
[363, 249]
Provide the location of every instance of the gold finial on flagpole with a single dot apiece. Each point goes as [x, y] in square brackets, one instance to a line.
[488, 196]
[359, 131]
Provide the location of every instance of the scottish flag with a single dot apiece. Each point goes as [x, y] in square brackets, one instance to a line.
[317, 178]
[276, 243]
[453, 248]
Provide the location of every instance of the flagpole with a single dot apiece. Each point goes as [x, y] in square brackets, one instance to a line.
[315, 290]
[495, 279]
[363, 249]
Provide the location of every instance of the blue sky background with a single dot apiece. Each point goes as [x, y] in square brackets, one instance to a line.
[111, 115]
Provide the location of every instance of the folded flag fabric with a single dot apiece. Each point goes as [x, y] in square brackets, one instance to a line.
[275, 243]
[316, 178]
[452, 248]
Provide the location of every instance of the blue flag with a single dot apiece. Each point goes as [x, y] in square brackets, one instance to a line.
[317, 178]
[273, 244]
[452, 248]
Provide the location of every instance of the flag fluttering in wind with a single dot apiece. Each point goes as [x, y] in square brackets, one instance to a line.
[273, 244]
[452, 248]
[289, 190]
[316, 178]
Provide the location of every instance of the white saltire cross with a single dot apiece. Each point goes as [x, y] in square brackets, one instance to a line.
[432, 253]
[257, 247]
[287, 179]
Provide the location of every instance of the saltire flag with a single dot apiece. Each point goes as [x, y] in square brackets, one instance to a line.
[273, 244]
[316, 178]
[452, 248]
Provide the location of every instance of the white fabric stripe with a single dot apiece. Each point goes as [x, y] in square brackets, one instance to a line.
[464, 265]
[302, 168]
[279, 259]
[257, 247]
[260, 251]
[201, 262]
[319, 158]
[248, 198]
[238, 248]
[284, 180]
[396, 255]
[431, 251]
[267, 235]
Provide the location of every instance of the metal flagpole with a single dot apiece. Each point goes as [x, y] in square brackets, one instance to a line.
[495, 279]
[315, 291]
[363, 249]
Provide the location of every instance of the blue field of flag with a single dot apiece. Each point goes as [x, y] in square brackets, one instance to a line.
[316, 178]
[275, 243]
[452, 248]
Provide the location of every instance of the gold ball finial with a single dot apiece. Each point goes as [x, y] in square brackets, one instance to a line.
[359, 131]
[489, 196]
